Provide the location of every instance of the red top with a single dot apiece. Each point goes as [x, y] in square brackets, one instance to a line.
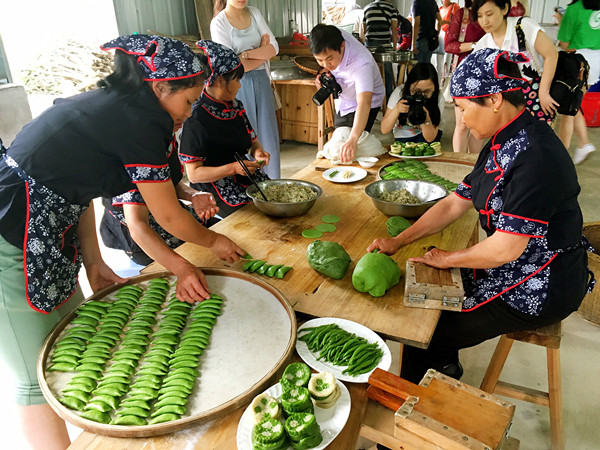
[473, 33]
[451, 11]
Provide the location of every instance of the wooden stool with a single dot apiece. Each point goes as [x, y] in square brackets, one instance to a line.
[548, 337]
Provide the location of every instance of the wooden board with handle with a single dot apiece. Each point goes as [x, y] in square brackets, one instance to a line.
[432, 288]
[443, 411]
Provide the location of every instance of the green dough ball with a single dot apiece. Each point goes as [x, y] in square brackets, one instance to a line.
[326, 227]
[312, 234]
[328, 258]
[375, 273]
[330, 218]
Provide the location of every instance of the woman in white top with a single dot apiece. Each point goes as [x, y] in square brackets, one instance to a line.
[423, 80]
[243, 29]
[501, 33]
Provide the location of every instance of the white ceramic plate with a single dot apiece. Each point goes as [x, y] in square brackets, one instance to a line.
[415, 157]
[352, 327]
[330, 420]
[357, 174]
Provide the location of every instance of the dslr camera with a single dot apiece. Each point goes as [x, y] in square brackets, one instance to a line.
[328, 87]
[416, 114]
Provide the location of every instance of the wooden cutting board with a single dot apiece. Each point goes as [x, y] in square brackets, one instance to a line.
[433, 288]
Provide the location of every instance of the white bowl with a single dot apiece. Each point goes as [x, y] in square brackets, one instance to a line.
[367, 161]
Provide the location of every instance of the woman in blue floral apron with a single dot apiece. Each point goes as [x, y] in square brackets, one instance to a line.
[126, 220]
[91, 145]
[219, 128]
[531, 271]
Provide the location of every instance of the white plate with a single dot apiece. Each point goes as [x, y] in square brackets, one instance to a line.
[330, 420]
[357, 174]
[352, 327]
[415, 157]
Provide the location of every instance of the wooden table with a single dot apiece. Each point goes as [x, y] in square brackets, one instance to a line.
[278, 241]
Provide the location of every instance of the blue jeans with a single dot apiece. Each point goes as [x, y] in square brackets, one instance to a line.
[424, 54]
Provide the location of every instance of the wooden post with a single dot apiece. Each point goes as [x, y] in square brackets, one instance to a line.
[204, 14]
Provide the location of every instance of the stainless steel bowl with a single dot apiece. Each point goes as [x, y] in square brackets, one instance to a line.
[282, 209]
[428, 193]
[388, 54]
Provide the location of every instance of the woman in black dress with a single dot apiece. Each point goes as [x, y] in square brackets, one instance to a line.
[531, 270]
[219, 128]
[92, 145]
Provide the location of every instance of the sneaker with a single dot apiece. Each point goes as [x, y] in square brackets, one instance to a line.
[582, 153]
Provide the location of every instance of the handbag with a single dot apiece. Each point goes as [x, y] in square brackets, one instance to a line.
[454, 61]
[434, 41]
[569, 81]
[531, 92]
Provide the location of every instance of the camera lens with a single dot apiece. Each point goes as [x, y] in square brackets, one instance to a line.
[320, 96]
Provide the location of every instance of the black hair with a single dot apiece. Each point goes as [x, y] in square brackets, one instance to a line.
[477, 4]
[325, 37]
[127, 75]
[516, 97]
[235, 74]
[424, 71]
[468, 4]
[594, 5]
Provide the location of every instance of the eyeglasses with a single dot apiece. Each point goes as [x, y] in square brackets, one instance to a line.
[424, 92]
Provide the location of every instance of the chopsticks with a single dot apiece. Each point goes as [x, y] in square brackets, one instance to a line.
[240, 160]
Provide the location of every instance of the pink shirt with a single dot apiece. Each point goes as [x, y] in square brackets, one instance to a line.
[358, 72]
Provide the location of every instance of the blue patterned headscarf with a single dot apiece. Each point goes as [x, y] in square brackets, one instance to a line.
[477, 75]
[160, 57]
[221, 59]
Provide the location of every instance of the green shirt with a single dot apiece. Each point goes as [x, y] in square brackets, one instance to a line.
[580, 27]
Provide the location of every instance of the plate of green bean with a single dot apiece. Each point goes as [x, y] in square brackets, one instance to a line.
[348, 350]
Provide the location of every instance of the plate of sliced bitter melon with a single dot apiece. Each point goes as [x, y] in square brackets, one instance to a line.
[134, 361]
[348, 350]
[293, 414]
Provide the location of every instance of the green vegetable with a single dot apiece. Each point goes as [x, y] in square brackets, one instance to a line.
[280, 273]
[396, 225]
[328, 258]
[333, 174]
[375, 273]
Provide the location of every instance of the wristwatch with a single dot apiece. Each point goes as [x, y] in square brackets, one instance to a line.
[244, 55]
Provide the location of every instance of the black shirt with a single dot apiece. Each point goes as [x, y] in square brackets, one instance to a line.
[91, 145]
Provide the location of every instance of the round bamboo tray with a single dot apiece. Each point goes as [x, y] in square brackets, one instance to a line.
[590, 306]
[254, 336]
[308, 64]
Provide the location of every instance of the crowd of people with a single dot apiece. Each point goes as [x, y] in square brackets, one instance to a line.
[127, 151]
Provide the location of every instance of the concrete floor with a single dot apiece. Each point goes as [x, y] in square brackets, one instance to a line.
[580, 365]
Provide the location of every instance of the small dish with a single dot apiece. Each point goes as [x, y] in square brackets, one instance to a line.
[367, 161]
[344, 174]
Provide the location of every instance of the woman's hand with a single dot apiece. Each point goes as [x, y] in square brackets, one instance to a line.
[204, 204]
[100, 276]
[388, 246]
[225, 249]
[191, 285]
[251, 165]
[265, 40]
[261, 155]
[401, 107]
[434, 257]
[547, 103]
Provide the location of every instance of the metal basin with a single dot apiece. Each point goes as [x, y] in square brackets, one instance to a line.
[285, 69]
[393, 56]
[282, 209]
[428, 193]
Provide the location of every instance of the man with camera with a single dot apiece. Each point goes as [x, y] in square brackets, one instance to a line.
[352, 76]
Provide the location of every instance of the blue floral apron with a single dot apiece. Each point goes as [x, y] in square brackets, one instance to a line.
[51, 253]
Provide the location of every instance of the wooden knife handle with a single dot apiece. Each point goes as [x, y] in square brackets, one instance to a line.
[395, 385]
[385, 398]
